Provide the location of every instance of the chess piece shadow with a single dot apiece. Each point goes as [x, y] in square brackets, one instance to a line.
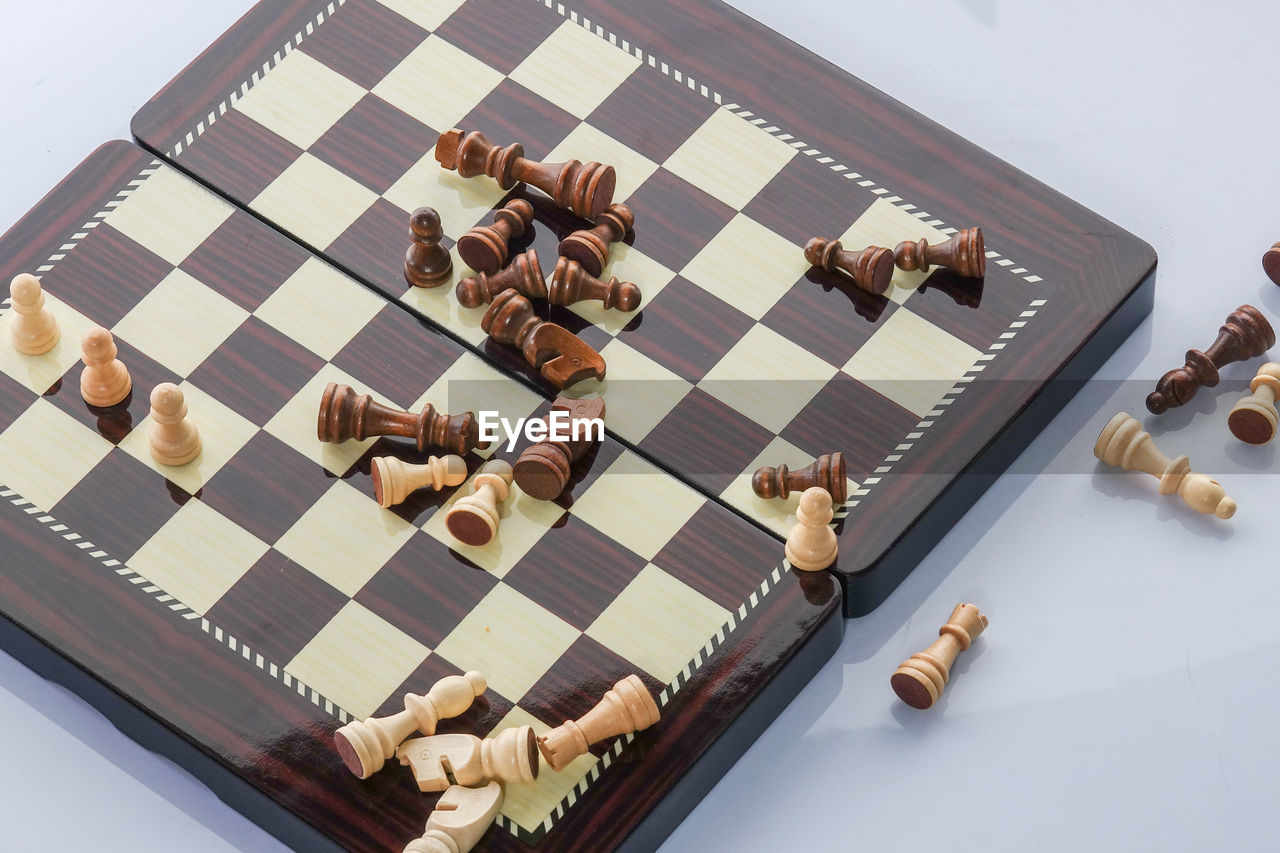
[1203, 404]
[1120, 485]
[1259, 457]
[965, 292]
[114, 422]
[869, 306]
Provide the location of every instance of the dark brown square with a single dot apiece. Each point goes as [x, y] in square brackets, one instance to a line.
[363, 41]
[511, 113]
[977, 311]
[719, 556]
[396, 351]
[106, 275]
[374, 143]
[652, 114]
[488, 709]
[14, 400]
[829, 315]
[686, 329]
[374, 245]
[706, 441]
[119, 505]
[787, 203]
[850, 417]
[578, 681]
[238, 156]
[245, 260]
[117, 421]
[498, 32]
[675, 219]
[277, 607]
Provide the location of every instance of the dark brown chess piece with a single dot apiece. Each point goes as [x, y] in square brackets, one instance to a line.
[542, 471]
[524, 276]
[965, 254]
[484, 248]
[590, 246]
[826, 472]
[345, 414]
[871, 268]
[560, 355]
[427, 263]
[571, 283]
[1271, 262]
[1245, 334]
[586, 189]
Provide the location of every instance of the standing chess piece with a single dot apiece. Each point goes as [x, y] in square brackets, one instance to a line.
[105, 380]
[542, 471]
[561, 357]
[571, 284]
[811, 544]
[1125, 443]
[1271, 262]
[345, 414]
[394, 479]
[825, 472]
[871, 268]
[1253, 420]
[365, 745]
[463, 759]
[473, 520]
[524, 276]
[459, 819]
[426, 263]
[920, 679]
[1245, 334]
[965, 254]
[174, 439]
[484, 248]
[34, 328]
[590, 246]
[628, 707]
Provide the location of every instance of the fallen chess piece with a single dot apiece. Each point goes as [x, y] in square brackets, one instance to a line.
[510, 757]
[871, 268]
[964, 254]
[826, 472]
[543, 469]
[459, 819]
[561, 357]
[484, 248]
[570, 284]
[590, 246]
[1253, 420]
[473, 519]
[1245, 334]
[627, 708]
[104, 381]
[394, 479]
[344, 414]
[34, 328]
[812, 544]
[1271, 262]
[174, 439]
[920, 679]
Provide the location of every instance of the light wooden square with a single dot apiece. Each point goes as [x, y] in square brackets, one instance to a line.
[357, 660]
[885, 224]
[644, 392]
[180, 322]
[438, 84]
[461, 202]
[637, 505]
[658, 623]
[730, 158]
[440, 304]
[428, 14]
[300, 99]
[767, 377]
[345, 538]
[297, 421]
[169, 214]
[222, 433]
[46, 452]
[586, 143]
[529, 805]
[39, 372]
[575, 70]
[777, 515]
[320, 308]
[911, 361]
[313, 201]
[198, 555]
[509, 638]
[628, 264]
[748, 266]
[523, 523]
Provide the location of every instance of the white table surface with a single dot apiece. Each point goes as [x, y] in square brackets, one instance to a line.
[1124, 696]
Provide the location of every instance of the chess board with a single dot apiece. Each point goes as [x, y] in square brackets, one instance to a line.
[233, 612]
[733, 147]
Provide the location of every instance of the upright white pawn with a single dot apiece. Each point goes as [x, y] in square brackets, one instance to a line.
[811, 544]
[174, 438]
[105, 380]
[35, 329]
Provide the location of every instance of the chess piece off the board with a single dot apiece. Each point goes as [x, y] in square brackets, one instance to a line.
[394, 479]
[484, 248]
[590, 246]
[627, 707]
[543, 469]
[1271, 262]
[1245, 334]
[571, 284]
[965, 254]
[812, 544]
[510, 757]
[426, 263]
[871, 268]
[921, 678]
[1125, 443]
[344, 414]
[459, 819]
[34, 328]
[1253, 420]
[365, 745]
[104, 381]
[174, 438]
[586, 189]
[825, 472]
[473, 519]
[561, 357]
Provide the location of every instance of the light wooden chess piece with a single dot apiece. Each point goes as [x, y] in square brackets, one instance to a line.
[509, 757]
[394, 479]
[1254, 419]
[628, 707]
[174, 438]
[473, 520]
[365, 745]
[811, 544]
[920, 679]
[104, 381]
[1125, 443]
[459, 820]
[34, 328]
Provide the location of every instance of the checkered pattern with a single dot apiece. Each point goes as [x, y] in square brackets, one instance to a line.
[726, 345]
[274, 537]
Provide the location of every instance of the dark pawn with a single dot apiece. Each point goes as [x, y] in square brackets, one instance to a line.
[345, 414]
[560, 355]
[871, 268]
[1245, 334]
[542, 471]
[484, 248]
[590, 246]
[427, 263]
[1271, 262]
[570, 284]
[827, 472]
[524, 276]
[965, 254]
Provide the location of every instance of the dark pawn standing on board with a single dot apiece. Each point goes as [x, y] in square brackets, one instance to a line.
[427, 263]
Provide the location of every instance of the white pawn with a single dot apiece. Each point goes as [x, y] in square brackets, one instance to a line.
[35, 329]
[811, 544]
[394, 479]
[174, 438]
[473, 520]
[105, 380]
